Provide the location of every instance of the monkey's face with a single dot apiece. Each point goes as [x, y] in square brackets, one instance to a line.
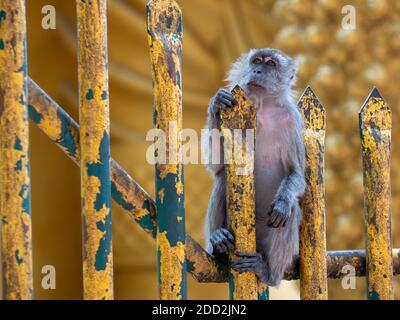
[264, 72]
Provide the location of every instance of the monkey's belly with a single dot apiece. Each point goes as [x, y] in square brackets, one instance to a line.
[268, 177]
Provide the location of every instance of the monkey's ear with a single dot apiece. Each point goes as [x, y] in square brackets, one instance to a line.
[294, 67]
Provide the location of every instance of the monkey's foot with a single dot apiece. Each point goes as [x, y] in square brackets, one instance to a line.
[222, 241]
[250, 262]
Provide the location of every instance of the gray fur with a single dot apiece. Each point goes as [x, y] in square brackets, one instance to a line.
[279, 164]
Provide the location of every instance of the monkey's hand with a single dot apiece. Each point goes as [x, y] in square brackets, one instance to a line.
[251, 262]
[223, 99]
[279, 214]
[222, 241]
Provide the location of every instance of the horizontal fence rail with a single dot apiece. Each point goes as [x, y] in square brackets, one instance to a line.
[128, 194]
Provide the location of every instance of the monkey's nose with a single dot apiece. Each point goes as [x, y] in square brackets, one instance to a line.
[257, 71]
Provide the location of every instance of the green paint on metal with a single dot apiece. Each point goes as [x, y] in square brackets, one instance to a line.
[35, 116]
[17, 257]
[103, 253]
[18, 166]
[3, 15]
[101, 170]
[17, 144]
[172, 208]
[118, 198]
[68, 141]
[25, 194]
[89, 95]
[373, 295]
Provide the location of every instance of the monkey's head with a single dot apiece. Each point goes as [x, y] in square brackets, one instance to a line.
[267, 72]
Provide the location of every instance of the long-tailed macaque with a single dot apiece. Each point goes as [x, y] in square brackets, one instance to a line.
[267, 77]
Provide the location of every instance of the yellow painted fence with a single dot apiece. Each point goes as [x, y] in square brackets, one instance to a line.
[164, 218]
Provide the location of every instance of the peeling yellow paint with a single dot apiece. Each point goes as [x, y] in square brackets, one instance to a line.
[240, 193]
[313, 266]
[164, 27]
[14, 155]
[171, 259]
[375, 125]
[94, 121]
[179, 187]
[161, 195]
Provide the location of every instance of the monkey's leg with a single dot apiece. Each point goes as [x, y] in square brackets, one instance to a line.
[281, 246]
[219, 239]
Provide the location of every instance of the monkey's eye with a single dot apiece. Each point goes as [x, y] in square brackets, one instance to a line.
[271, 63]
[257, 60]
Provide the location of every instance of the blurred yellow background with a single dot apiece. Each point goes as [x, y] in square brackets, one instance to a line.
[341, 66]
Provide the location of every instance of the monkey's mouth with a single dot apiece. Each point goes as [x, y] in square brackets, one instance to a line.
[255, 85]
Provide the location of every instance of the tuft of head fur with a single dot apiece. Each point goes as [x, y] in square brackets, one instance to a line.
[268, 81]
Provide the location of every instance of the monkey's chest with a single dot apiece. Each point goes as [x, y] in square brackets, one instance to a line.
[272, 157]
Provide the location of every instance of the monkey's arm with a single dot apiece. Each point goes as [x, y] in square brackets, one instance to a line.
[219, 239]
[291, 188]
[213, 148]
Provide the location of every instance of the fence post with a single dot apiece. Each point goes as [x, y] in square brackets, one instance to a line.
[313, 278]
[14, 154]
[95, 150]
[240, 190]
[375, 127]
[164, 27]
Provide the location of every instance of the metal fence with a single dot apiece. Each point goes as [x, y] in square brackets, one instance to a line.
[163, 219]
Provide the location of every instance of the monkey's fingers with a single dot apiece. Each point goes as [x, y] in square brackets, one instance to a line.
[224, 102]
[221, 244]
[218, 244]
[244, 267]
[226, 95]
[281, 222]
[278, 221]
[247, 255]
[229, 245]
[228, 235]
[274, 217]
[218, 249]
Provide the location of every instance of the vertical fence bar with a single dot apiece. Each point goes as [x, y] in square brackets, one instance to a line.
[313, 278]
[95, 150]
[375, 120]
[14, 153]
[164, 27]
[240, 191]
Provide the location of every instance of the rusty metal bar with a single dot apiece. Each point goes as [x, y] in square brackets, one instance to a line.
[164, 27]
[127, 193]
[236, 124]
[313, 278]
[15, 204]
[95, 150]
[336, 260]
[375, 120]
